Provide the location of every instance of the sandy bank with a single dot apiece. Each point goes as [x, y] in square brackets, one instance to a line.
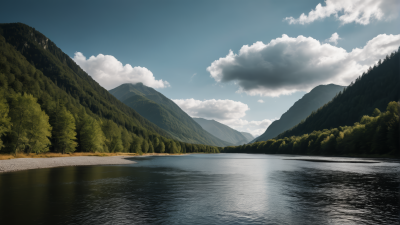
[37, 163]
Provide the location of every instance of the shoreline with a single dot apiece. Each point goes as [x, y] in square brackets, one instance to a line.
[29, 162]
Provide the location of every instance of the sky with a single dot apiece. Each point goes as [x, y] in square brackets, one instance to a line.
[242, 63]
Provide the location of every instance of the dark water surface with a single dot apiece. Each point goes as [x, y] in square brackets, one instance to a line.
[205, 189]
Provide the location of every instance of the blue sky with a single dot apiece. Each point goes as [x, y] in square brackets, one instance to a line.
[176, 41]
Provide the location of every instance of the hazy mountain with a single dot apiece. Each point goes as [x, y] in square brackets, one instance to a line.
[222, 131]
[310, 102]
[164, 113]
[248, 136]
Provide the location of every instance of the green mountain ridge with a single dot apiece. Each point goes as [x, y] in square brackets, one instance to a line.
[373, 89]
[62, 72]
[302, 108]
[164, 113]
[222, 131]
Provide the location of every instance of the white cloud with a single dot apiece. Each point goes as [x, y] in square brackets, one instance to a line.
[110, 73]
[227, 112]
[255, 128]
[213, 109]
[349, 11]
[334, 38]
[286, 65]
[260, 101]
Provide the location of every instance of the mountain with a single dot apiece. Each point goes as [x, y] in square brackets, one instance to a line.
[164, 113]
[248, 136]
[310, 102]
[363, 120]
[57, 98]
[373, 89]
[222, 131]
[61, 77]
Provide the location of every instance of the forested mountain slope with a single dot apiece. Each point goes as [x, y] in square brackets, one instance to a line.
[61, 70]
[248, 136]
[164, 113]
[222, 131]
[310, 102]
[374, 89]
[59, 107]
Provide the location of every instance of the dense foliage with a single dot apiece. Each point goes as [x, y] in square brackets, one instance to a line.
[163, 112]
[374, 89]
[59, 108]
[373, 135]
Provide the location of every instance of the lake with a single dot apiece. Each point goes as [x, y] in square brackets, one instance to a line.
[205, 189]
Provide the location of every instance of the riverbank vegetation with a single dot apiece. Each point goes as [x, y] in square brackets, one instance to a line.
[377, 134]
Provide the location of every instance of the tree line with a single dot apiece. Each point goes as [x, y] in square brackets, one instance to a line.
[26, 128]
[377, 134]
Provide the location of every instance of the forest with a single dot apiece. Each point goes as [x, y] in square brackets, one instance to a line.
[54, 109]
[377, 134]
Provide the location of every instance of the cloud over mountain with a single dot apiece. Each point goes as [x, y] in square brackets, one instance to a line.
[349, 11]
[286, 65]
[109, 72]
[228, 112]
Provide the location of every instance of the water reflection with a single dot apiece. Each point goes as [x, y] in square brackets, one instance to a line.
[204, 189]
[337, 197]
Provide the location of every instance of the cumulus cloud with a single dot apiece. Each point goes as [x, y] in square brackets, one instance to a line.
[213, 109]
[110, 73]
[227, 112]
[334, 38]
[286, 65]
[260, 101]
[349, 11]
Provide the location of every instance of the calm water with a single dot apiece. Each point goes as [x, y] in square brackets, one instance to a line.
[205, 189]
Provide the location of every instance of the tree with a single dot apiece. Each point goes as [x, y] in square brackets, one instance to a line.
[161, 147]
[151, 148]
[31, 129]
[145, 146]
[91, 136]
[113, 136]
[64, 134]
[126, 140]
[5, 123]
[376, 112]
[136, 146]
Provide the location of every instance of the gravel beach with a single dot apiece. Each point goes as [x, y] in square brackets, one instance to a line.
[37, 163]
